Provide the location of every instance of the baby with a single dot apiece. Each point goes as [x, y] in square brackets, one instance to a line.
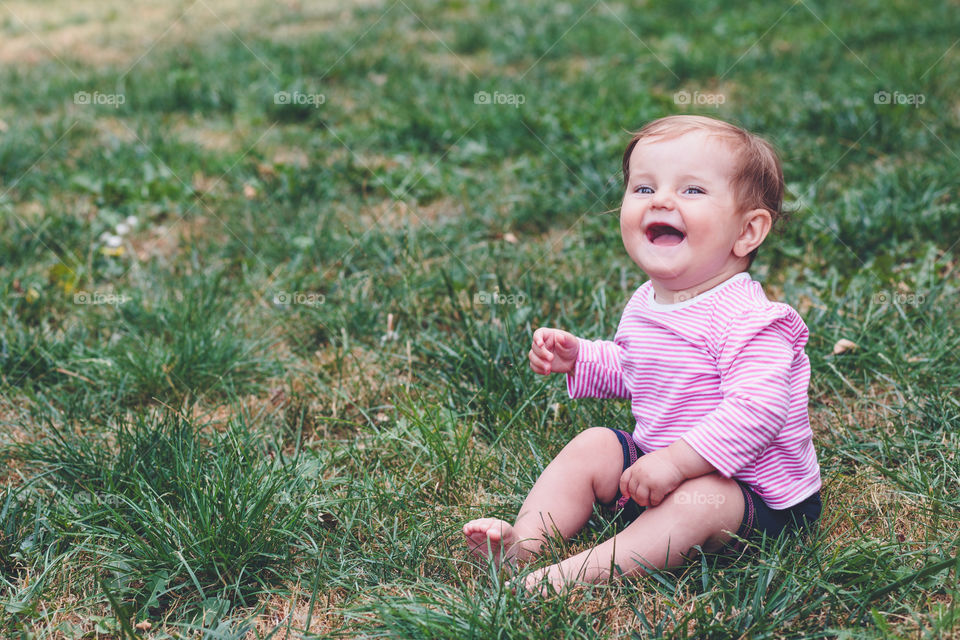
[715, 372]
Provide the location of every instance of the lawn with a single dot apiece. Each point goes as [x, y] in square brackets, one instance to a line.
[270, 272]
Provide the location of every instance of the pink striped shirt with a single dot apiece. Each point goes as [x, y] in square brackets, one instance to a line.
[725, 371]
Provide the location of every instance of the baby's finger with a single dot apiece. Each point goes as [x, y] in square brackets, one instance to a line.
[641, 495]
[540, 349]
[656, 497]
[539, 336]
[538, 364]
[625, 483]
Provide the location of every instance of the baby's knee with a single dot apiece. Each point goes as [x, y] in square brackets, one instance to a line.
[711, 493]
[710, 507]
[594, 440]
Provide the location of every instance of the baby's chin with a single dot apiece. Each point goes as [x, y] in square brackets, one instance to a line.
[658, 269]
[676, 279]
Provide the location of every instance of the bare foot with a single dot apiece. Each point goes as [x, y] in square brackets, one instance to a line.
[580, 569]
[491, 538]
[543, 582]
[547, 581]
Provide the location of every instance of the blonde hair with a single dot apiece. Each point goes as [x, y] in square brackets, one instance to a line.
[757, 177]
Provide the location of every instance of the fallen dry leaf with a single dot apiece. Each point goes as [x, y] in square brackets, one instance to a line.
[843, 345]
[266, 170]
[201, 183]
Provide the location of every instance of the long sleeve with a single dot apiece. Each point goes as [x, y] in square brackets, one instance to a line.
[758, 372]
[598, 371]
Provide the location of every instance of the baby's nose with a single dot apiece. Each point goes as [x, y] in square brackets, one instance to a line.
[663, 200]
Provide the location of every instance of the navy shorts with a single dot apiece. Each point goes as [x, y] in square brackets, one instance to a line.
[758, 518]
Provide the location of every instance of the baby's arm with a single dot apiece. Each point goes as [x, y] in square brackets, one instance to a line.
[755, 370]
[594, 367]
[656, 474]
[759, 385]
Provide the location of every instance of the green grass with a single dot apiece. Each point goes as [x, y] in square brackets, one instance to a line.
[214, 427]
[171, 518]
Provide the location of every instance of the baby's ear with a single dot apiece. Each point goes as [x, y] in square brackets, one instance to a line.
[754, 227]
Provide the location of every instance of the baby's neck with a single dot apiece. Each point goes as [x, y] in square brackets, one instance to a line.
[666, 295]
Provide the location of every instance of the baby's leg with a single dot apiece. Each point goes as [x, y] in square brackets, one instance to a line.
[701, 511]
[587, 470]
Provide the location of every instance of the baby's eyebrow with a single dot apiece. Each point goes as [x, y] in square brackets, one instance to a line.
[694, 177]
[682, 178]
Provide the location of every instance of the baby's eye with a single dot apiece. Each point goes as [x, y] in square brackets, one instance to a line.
[694, 190]
[643, 189]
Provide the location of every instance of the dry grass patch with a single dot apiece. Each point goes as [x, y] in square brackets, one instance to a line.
[110, 130]
[399, 214]
[297, 613]
[164, 241]
[865, 504]
[12, 432]
[210, 136]
[355, 383]
[121, 33]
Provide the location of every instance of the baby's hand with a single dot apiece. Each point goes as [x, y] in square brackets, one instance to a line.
[651, 478]
[553, 351]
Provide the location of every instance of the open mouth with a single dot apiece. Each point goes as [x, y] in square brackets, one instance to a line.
[660, 233]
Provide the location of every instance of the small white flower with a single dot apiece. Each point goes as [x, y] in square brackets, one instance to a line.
[123, 229]
[113, 241]
[132, 221]
[390, 335]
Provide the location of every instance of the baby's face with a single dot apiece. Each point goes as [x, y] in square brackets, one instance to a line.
[679, 219]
